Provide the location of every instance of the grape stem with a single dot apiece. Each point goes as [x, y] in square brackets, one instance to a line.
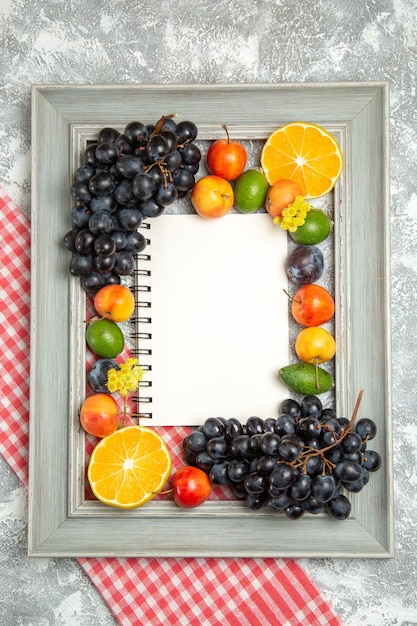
[161, 122]
[310, 452]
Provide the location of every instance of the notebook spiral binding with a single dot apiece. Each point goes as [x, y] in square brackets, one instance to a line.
[141, 335]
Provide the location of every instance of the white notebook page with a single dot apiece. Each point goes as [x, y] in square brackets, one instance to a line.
[219, 318]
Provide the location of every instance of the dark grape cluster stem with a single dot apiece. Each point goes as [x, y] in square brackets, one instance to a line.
[303, 461]
[311, 452]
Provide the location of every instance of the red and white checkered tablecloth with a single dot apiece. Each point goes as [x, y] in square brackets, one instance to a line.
[143, 591]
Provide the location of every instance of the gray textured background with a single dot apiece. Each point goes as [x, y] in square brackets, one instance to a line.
[206, 41]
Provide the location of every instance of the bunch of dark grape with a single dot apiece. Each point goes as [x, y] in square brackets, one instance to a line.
[125, 179]
[300, 462]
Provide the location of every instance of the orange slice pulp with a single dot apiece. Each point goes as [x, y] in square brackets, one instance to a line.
[305, 153]
[129, 467]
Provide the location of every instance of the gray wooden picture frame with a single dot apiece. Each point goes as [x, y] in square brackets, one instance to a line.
[61, 521]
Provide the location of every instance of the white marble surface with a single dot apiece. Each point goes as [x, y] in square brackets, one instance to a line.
[206, 41]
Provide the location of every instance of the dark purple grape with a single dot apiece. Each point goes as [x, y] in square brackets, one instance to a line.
[239, 490]
[172, 161]
[313, 506]
[150, 208]
[239, 447]
[143, 186]
[112, 279]
[238, 470]
[157, 148]
[186, 131]
[352, 442]
[108, 135]
[84, 173]
[217, 447]
[331, 424]
[104, 246]
[84, 241]
[193, 168]
[291, 407]
[313, 465]
[304, 265]
[130, 218]
[339, 507]
[348, 471]
[218, 474]
[135, 243]
[324, 488]
[328, 438]
[372, 460]
[213, 427]
[129, 166]
[327, 414]
[80, 216]
[123, 145]
[255, 484]
[103, 203]
[69, 240]
[294, 511]
[105, 264]
[107, 153]
[123, 193]
[281, 477]
[80, 191]
[93, 282]
[335, 454]
[308, 427]
[288, 449]
[166, 194]
[204, 461]
[97, 375]
[157, 174]
[278, 503]
[301, 487]
[254, 503]
[270, 443]
[311, 406]
[233, 428]
[171, 140]
[285, 424]
[100, 222]
[90, 155]
[102, 184]
[119, 239]
[254, 425]
[269, 425]
[196, 441]
[353, 456]
[190, 154]
[255, 444]
[136, 133]
[183, 179]
[125, 263]
[168, 124]
[366, 429]
[265, 465]
[81, 264]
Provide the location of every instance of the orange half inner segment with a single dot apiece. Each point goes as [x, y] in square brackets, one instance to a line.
[305, 153]
[129, 467]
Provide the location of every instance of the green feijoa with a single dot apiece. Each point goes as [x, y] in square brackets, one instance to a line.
[306, 379]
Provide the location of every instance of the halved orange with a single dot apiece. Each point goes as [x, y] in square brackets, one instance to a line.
[305, 153]
[129, 467]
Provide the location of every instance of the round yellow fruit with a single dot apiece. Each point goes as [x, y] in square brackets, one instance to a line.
[315, 345]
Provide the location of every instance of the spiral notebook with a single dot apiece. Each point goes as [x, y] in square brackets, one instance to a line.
[212, 318]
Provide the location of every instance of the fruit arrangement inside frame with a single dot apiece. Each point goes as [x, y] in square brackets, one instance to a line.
[304, 459]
